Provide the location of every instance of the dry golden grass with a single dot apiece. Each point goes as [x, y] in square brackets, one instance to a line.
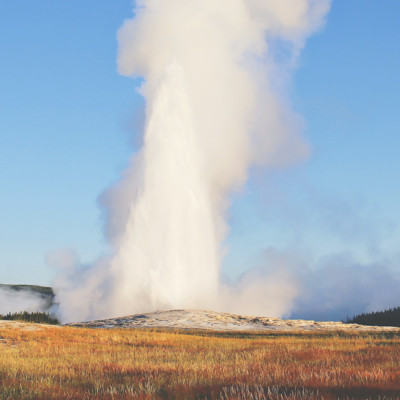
[76, 363]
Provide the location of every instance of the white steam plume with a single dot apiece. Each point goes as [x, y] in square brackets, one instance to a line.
[213, 108]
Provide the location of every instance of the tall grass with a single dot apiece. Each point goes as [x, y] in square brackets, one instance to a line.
[76, 363]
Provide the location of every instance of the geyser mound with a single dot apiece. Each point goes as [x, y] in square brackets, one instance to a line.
[216, 321]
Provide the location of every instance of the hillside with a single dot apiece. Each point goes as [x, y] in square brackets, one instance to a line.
[43, 293]
[42, 290]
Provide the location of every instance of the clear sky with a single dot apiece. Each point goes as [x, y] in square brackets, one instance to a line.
[68, 123]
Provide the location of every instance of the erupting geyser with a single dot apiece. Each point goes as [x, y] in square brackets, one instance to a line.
[168, 254]
[213, 107]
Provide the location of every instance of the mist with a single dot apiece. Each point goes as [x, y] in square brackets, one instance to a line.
[12, 301]
[322, 288]
[339, 286]
[215, 83]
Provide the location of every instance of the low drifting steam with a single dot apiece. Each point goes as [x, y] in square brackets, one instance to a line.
[12, 301]
[214, 74]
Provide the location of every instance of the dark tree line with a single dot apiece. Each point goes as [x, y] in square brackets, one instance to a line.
[36, 317]
[390, 317]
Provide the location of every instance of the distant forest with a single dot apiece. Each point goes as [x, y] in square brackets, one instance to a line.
[36, 317]
[390, 317]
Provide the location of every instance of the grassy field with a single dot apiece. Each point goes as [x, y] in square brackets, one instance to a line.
[77, 363]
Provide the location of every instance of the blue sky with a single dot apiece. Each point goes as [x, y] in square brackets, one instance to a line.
[68, 123]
